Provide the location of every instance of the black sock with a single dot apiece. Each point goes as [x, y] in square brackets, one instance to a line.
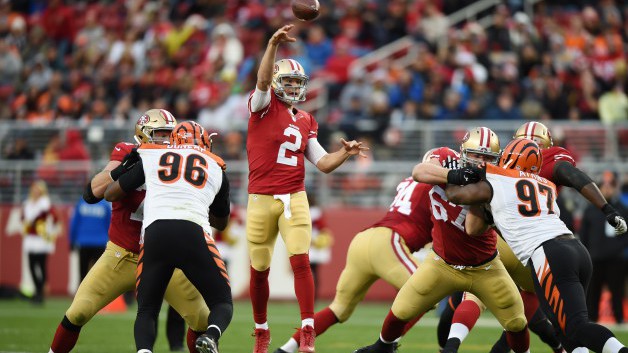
[452, 345]
[501, 346]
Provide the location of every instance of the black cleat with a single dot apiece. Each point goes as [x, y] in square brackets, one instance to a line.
[377, 347]
[204, 344]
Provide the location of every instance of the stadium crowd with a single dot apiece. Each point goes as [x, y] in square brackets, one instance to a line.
[85, 60]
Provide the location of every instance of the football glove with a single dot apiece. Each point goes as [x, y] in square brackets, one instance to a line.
[614, 219]
[464, 176]
[127, 163]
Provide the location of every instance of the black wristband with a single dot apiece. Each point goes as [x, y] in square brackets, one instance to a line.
[116, 172]
[608, 209]
[88, 194]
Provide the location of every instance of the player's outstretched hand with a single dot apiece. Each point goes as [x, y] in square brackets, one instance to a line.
[614, 219]
[464, 176]
[281, 36]
[354, 147]
[130, 159]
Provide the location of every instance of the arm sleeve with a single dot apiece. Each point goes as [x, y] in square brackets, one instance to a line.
[566, 174]
[259, 100]
[132, 179]
[314, 151]
[88, 194]
[221, 206]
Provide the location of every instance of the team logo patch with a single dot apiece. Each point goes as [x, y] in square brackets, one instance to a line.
[466, 137]
[276, 69]
[143, 120]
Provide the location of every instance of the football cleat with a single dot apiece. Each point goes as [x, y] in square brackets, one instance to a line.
[262, 340]
[204, 344]
[378, 347]
[306, 344]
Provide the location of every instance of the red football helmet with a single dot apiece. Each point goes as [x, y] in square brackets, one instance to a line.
[190, 133]
[522, 154]
[447, 157]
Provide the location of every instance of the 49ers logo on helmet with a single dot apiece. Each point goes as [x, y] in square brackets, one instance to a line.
[143, 120]
[276, 69]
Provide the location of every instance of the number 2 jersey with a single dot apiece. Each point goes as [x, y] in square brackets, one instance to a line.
[181, 183]
[524, 209]
[126, 214]
[409, 214]
[275, 146]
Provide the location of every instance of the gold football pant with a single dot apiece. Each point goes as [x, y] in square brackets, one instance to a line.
[114, 274]
[435, 279]
[374, 253]
[267, 215]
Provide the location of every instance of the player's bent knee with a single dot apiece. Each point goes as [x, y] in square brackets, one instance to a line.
[260, 258]
[298, 242]
[515, 325]
[81, 312]
[342, 311]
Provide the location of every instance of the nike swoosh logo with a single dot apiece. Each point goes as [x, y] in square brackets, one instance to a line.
[118, 149]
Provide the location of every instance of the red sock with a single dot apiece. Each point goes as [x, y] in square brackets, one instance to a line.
[519, 342]
[467, 313]
[191, 339]
[259, 292]
[303, 284]
[530, 304]
[393, 327]
[411, 324]
[323, 320]
[66, 336]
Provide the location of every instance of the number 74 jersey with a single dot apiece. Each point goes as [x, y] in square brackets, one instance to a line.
[275, 146]
[524, 209]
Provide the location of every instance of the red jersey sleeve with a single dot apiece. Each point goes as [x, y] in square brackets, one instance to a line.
[551, 156]
[120, 150]
[313, 133]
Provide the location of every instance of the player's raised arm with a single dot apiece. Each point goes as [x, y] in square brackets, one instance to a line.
[95, 189]
[265, 71]
[471, 194]
[328, 162]
[131, 180]
[430, 172]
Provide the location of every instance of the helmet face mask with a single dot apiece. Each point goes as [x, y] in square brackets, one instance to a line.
[149, 127]
[480, 145]
[536, 132]
[289, 81]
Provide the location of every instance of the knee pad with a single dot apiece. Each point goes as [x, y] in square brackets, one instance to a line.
[298, 241]
[517, 324]
[260, 258]
[80, 312]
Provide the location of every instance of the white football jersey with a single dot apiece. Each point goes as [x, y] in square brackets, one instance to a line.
[524, 209]
[181, 183]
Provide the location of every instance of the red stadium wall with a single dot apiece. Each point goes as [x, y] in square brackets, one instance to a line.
[343, 222]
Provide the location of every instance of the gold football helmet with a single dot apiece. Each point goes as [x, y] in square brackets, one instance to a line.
[536, 132]
[483, 143]
[289, 81]
[151, 121]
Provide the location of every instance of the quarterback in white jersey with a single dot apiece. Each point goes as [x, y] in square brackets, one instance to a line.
[524, 210]
[186, 191]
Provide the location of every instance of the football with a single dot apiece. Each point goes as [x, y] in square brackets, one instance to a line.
[305, 10]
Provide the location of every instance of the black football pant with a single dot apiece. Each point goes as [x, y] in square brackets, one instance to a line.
[611, 272]
[88, 257]
[170, 244]
[561, 269]
[38, 265]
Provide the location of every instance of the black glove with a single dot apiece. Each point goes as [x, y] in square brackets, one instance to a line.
[127, 163]
[464, 176]
[614, 219]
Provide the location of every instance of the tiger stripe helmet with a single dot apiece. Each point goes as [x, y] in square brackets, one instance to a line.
[537, 132]
[482, 141]
[522, 154]
[289, 68]
[153, 120]
[190, 133]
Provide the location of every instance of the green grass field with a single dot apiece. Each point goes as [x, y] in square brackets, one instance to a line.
[26, 328]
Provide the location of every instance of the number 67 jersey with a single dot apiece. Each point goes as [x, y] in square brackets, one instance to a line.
[181, 183]
[276, 141]
[524, 209]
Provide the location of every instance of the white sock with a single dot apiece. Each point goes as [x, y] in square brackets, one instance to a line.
[144, 351]
[580, 350]
[263, 326]
[458, 331]
[290, 346]
[50, 351]
[612, 345]
[307, 322]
